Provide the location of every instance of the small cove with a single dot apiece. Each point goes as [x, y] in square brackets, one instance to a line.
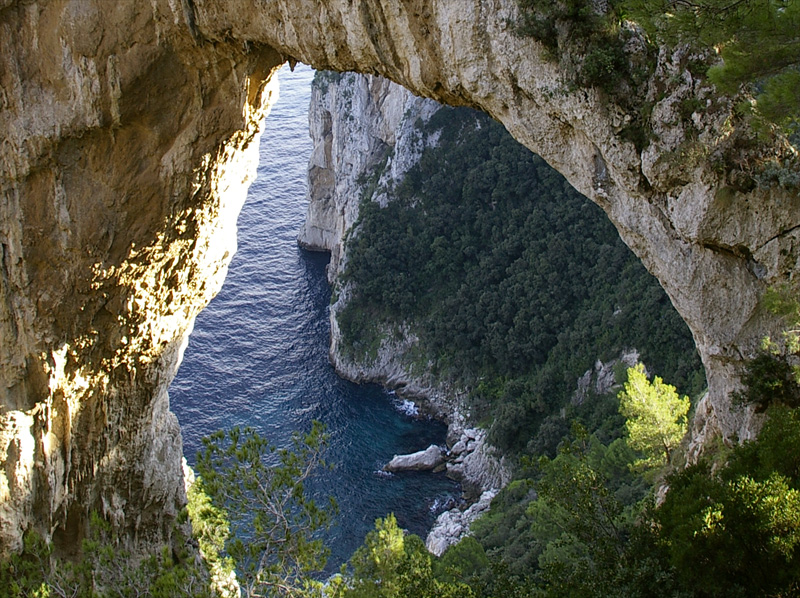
[258, 353]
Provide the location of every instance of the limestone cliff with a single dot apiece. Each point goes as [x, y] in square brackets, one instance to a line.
[356, 123]
[365, 137]
[123, 159]
[127, 151]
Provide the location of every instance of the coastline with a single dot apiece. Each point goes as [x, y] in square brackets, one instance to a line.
[469, 458]
[364, 128]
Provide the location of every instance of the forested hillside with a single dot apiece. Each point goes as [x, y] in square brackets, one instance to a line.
[514, 283]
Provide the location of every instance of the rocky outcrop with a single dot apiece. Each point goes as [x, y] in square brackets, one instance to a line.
[451, 526]
[426, 460]
[602, 378]
[356, 123]
[125, 129]
[127, 151]
[474, 462]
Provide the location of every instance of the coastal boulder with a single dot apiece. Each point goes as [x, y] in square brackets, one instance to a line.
[431, 458]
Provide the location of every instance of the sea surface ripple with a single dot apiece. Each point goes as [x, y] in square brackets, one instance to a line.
[258, 353]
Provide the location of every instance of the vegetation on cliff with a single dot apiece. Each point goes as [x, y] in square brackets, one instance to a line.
[581, 524]
[102, 568]
[273, 536]
[739, 63]
[514, 298]
[756, 47]
[750, 46]
[514, 283]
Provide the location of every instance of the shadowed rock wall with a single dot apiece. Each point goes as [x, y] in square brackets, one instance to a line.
[128, 140]
[127, 147]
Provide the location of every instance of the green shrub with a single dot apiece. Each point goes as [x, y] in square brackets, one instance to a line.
[736, 531]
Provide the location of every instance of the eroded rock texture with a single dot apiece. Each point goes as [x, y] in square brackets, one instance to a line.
[125, 135]
[127, 146]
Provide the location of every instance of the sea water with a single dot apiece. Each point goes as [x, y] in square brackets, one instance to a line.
[258, 355]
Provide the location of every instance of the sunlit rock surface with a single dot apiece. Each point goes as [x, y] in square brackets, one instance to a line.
[125, 131]
[426, 460]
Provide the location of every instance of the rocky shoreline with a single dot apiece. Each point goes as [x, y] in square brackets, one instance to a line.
[366, 127]
[469, 458]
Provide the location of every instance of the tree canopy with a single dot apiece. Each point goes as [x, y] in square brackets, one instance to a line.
[391, 564]
[513, 282]
[274, 521]
[758, 42]
[655, 417]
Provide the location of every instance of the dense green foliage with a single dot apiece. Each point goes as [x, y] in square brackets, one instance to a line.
[773, 376]
[391, 564]
[736, 531]
[514, 283]
[655, 417]
[582, 528]
[757, 40]
[583, 524]
[572, 515]
[770, 379]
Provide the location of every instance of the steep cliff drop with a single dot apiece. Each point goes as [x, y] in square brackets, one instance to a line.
[366, 127]
[126, 129]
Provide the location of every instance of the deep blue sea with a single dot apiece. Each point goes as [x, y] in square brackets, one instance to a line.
[258, 355]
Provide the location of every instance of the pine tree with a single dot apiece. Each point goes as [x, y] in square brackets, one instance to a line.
[757, 40]
[655, 417]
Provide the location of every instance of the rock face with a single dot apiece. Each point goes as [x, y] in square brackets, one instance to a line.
[454, 524]
[125, 129]
[356, 122]
[601, 379]
[427, 460]
[127, 151]
[475, 462]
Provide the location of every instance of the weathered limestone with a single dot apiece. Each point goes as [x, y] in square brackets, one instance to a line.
[454, 524]
[123, 130]
[126, 152]
[601, 378]
[425, 460]
[475, 463]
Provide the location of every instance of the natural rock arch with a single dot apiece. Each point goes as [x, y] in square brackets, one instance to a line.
[129, 132]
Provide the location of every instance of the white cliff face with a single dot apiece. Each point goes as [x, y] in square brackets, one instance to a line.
[356, 123]
[602, 379]
[123, 128]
